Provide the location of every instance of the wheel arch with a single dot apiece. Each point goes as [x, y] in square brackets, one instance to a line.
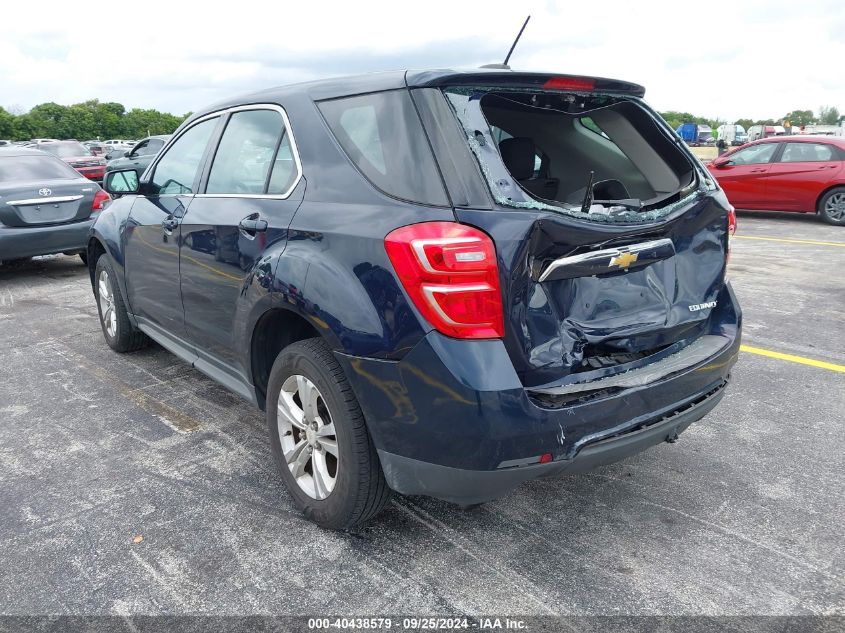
[94, 249]
[839, 185]
[274, 330]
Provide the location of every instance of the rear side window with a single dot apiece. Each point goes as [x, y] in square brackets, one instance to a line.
[284, 168]
[382, 135]
[807, 153]
[26, 168]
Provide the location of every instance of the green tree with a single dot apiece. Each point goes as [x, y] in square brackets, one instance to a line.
[746, 123]
[47, 119]
[674, 118]
[828, 115]
[82, 121]
[7, 124]
[799, 117]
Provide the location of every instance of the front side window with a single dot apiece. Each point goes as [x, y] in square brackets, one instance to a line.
[754, 155]
[806, 153]
[382, 135]
[176, 172]
[247, 152]
[142, 149]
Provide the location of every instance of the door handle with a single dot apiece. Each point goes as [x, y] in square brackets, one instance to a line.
[757, 171]
[253, 224]
[170, 224]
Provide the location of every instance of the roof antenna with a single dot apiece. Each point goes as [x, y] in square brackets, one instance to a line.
[504, 66]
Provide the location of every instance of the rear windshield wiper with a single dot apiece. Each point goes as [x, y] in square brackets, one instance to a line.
[588, 194]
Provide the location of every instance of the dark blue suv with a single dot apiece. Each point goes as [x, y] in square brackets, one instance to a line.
[434, 282]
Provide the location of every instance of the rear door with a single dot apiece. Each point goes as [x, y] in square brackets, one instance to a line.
[744, 178]
[152, 233]
[250, 193]
[800, 173]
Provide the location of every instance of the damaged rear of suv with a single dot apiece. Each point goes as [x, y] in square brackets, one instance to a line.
[618, 327]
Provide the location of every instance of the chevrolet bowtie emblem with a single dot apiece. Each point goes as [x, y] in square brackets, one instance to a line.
[623, 260]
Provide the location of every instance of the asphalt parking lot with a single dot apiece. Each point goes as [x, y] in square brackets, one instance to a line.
[744, 515]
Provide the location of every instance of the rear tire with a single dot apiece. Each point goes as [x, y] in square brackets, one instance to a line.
[120, 335]
[832, 206]
[319, 415]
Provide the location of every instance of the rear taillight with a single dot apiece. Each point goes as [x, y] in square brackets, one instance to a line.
[100, 200]
[731, 226]
[449, 270]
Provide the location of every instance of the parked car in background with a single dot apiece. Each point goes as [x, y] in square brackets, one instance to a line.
[433, 313]
[97, 148]
[38, 141]
[791, 173]
[116, 151]
[4, 142]
[140, 155]
[45, 206]
[77, 156]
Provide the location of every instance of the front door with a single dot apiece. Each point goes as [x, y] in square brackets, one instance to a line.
[250, 193]
[152, 233]
[744, 177]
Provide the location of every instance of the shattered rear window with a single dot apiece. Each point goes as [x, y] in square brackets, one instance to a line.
[599, 157]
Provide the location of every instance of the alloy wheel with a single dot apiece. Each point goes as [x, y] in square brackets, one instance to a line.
[307, 435]
[834, 208]
[106, 296]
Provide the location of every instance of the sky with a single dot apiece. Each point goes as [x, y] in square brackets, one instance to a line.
[719, 59]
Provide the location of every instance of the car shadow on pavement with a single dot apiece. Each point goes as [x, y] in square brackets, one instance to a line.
[783, 216]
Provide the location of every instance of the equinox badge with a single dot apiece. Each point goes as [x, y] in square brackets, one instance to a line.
[702, 306]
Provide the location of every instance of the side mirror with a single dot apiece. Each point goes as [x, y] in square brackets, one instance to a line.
[721, 161]
[127, 153]
[121, 182]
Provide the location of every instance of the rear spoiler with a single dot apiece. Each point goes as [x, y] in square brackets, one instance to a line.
[524, 80]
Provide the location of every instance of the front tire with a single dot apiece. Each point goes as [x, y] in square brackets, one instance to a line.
[832, 206]
[320, 440]
[120, 335]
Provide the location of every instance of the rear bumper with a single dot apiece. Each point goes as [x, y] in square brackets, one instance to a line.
[466, 487]
[20, 242]
[452, 419]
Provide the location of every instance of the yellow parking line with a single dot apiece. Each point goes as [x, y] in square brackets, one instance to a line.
[792, 358]
[781, 239]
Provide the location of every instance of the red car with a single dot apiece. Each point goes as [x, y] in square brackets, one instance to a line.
[786, 173]
[77, 156]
